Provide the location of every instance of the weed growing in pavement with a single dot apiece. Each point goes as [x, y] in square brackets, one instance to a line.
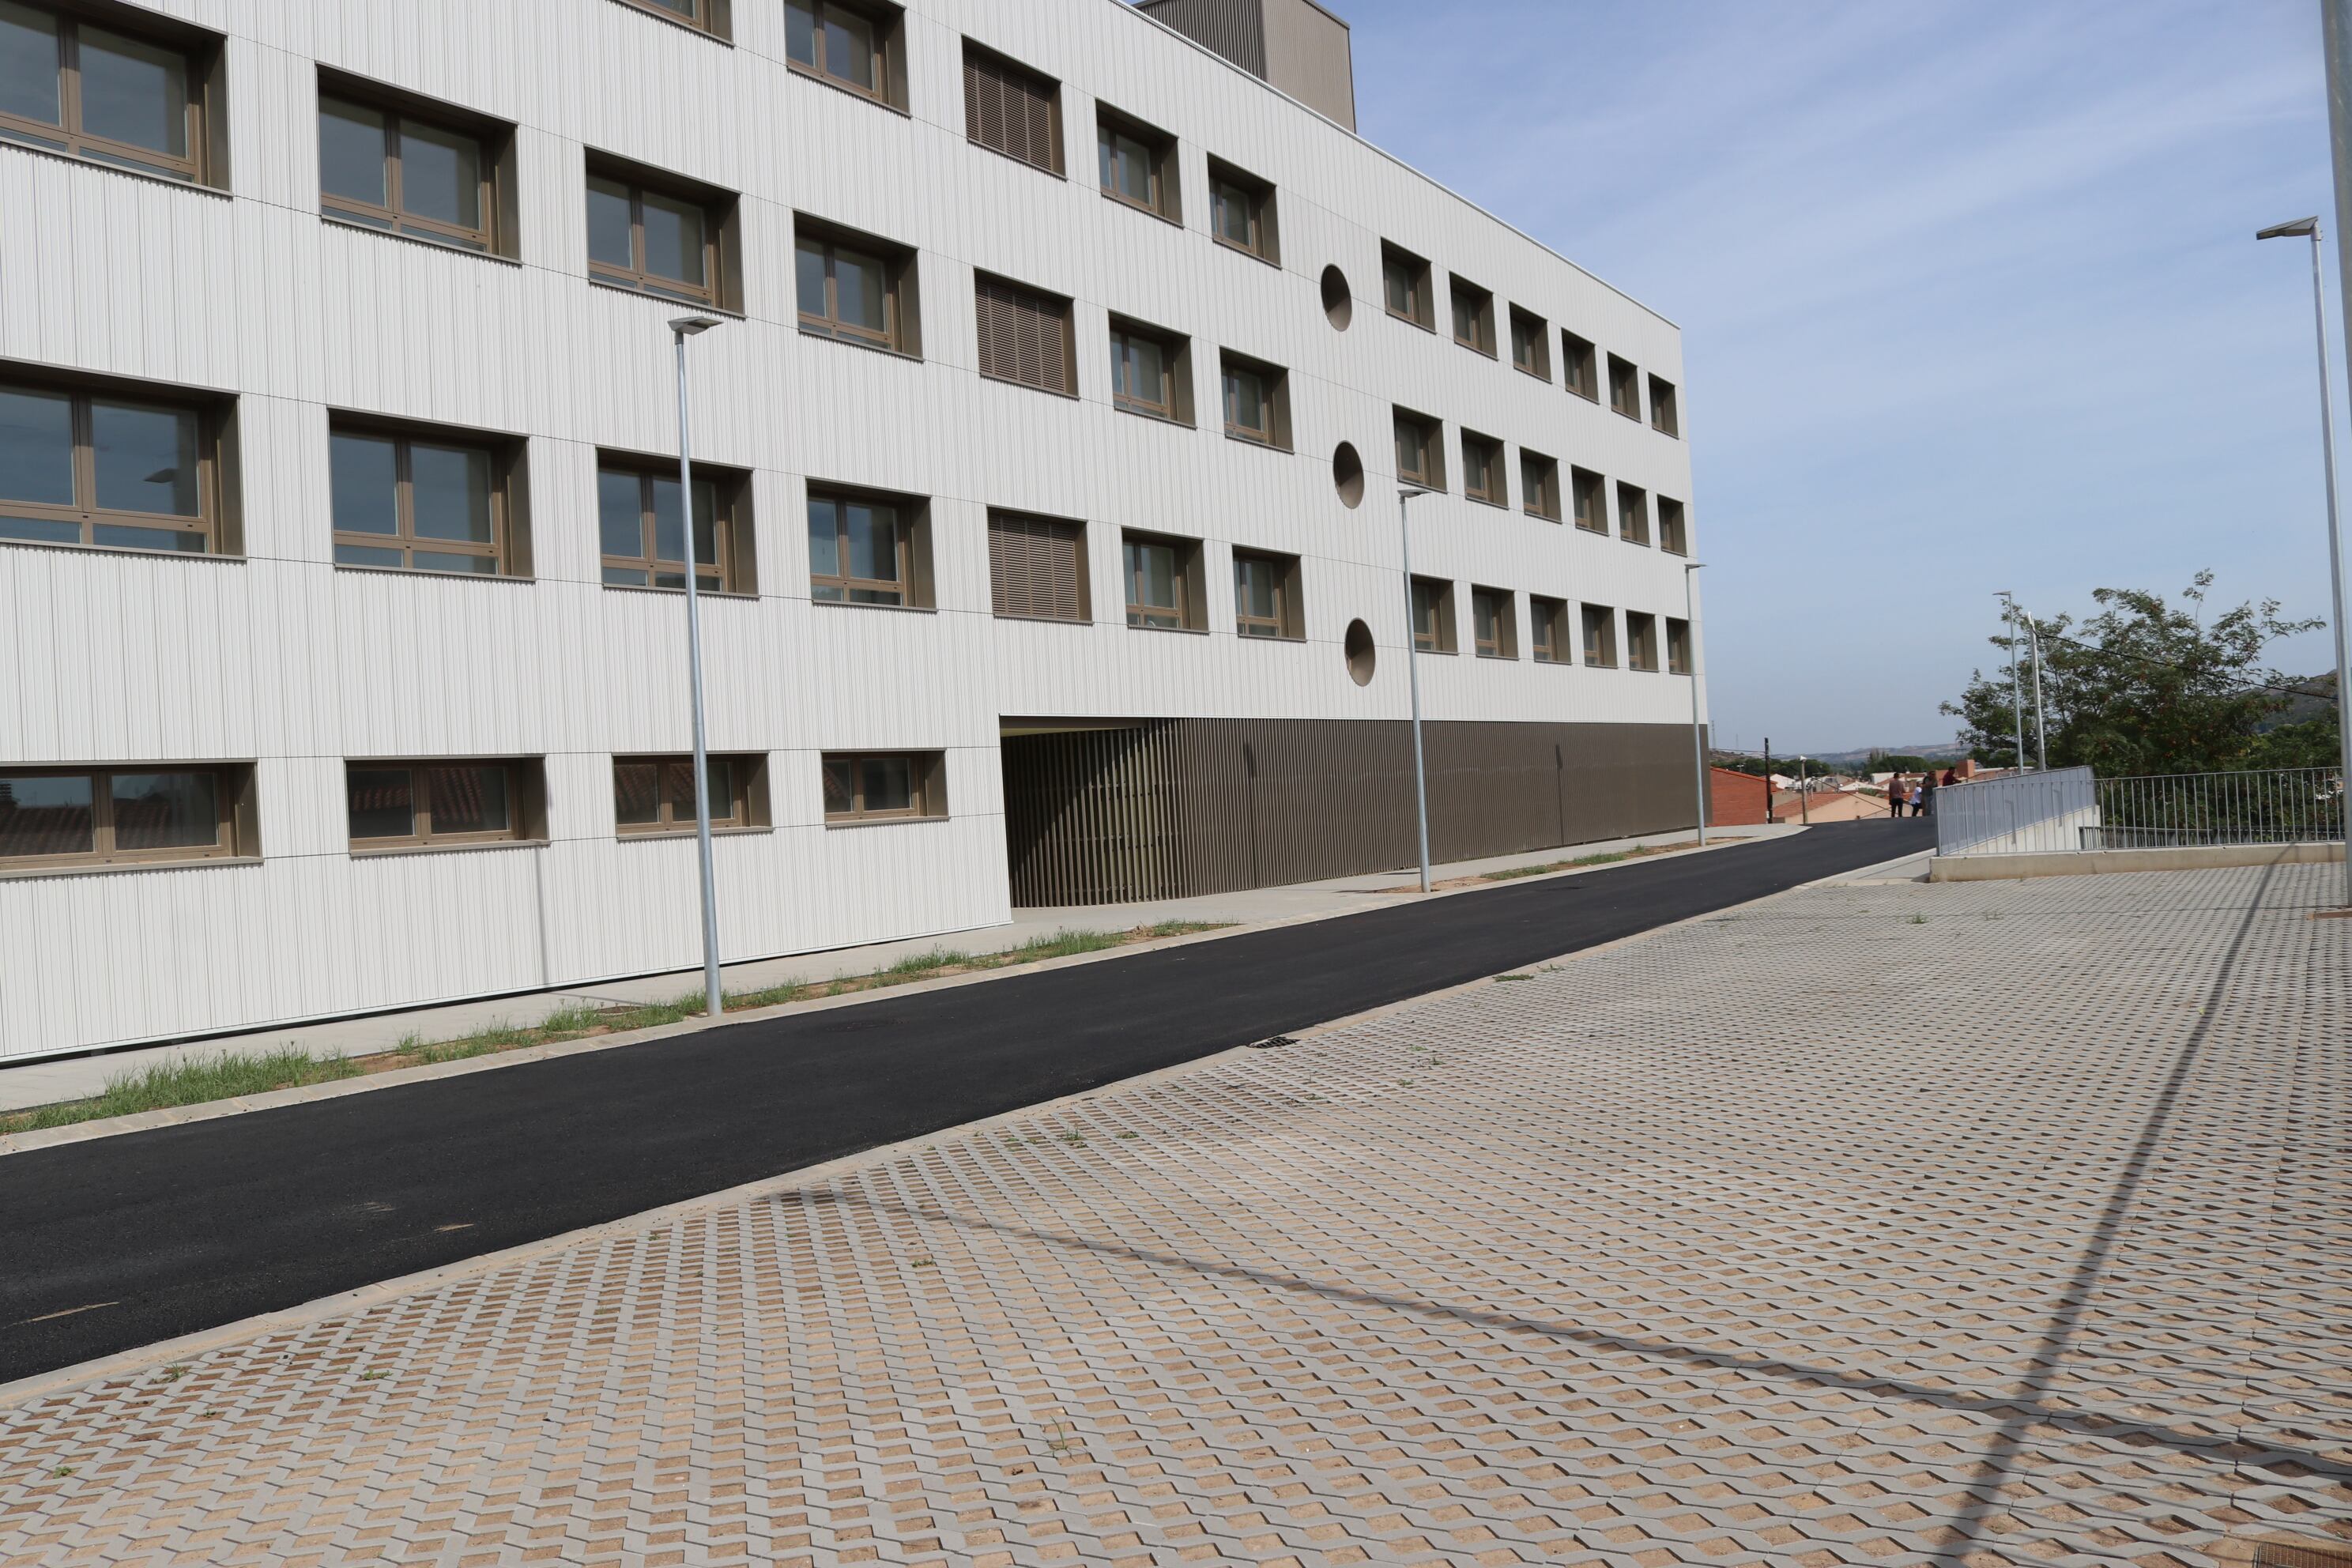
[1918, 919]
[234, 1074]
[1501, 977]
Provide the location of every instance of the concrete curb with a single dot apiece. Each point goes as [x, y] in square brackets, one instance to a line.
[146, 1121]
[2107, 862]
[164, 1353]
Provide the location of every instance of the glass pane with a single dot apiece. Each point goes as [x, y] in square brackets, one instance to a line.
[889, 783]
[165, 811]
[669, 523]
[625, 576]
[1408, 449]
[1232, 214]
[146, 457]
[365, 555]
[1147, 371]
[1152, 569]
[1466, 319]
[36, 446]
[706, 529]
[1245, 400]
[134, 92]
[620, 514]
[350, 153]
[449, 490]
[800, 31]
[872, 533]
[40, 530]
[824, 539]
[840, 791]
[673, 238]
[45, 816]
[440, 175]
[808, 272]
[381, 806]
[1400, 289]
[1130, 169]
[174, 539]
[28, 66]
[860, 289]
[635, 802]
[362, 479]
[608, 224]
[1254, 587]
[848, 47]
[464, 565]
[469, 799]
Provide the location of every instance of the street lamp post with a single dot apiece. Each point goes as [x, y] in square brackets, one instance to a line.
[2041, 714]
[681, 329]
[1690, 652]
[2016, 694]
[2309, 228]
[1413, 676]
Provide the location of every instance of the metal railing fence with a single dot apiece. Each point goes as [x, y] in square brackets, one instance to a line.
[2068, 808]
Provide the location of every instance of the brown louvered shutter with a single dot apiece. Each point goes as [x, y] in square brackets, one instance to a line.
[1024, 335]
[1032, 566]
[1009, 109]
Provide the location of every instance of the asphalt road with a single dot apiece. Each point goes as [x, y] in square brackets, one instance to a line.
[189, 1228]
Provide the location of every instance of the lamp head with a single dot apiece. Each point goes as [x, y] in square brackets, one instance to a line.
[2301, 229]
[688, 326]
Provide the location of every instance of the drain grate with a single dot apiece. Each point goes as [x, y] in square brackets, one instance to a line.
[1272, 1043]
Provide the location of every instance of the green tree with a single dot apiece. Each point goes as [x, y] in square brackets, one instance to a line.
[2149, 687]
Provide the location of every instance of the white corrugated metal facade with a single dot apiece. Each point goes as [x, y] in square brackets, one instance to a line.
[278, 657]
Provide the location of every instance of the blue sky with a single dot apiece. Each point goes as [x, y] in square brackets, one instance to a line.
[1968, 293]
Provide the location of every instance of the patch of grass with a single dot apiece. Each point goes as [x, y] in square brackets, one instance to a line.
[234, 1074]
[1918, 919]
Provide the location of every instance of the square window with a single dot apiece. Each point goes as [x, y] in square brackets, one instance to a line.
[1257, 402]
[1135, 165]
[406, 499]
[108, 471]
[849, 45]
[1482, 470]
[1241, 211]
[1633, 514]
[658, 234]
[1433, 615]
[1530, 343]
[854, 287]
[1038, 567]
[1473, 316]
[869, 547]
[1266, 596]
[1588, 490]
[1539, 485]
[1150, 371]
[1624, 388]
[1404, 287]
[1494, 627]
[641, 521]
[1577, 356]
[145, 101]
[1162, 581]
[1548, 629]
[1601, 636]
[1420, 450]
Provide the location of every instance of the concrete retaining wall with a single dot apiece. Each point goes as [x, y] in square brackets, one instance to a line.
[2089, 862]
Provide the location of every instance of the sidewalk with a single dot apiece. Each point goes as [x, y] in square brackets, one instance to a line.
[46, 1082]
[1979, 1223]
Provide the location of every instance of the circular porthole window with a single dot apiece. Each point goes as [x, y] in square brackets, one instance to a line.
[1348, 476]
[1338, 300]
[1361, 656]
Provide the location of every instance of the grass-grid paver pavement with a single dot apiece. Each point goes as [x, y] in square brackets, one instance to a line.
[1995, 1223]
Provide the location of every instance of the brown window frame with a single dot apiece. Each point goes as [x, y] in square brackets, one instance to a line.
[888, 24]
[493, 156]
[1165, 177]
[712, 17]
[1624, 377]
[1188, 611]
[1438, 636]
[1432, 450]
[509, 550]
[234, 836]
[901, 332]
[1588, 500]
[1423, 311]
[1664, 416]
[1678, 645]
[1265, 242]
[1274, 400]
[1175, 370]
[719, 213]
[910, 522]
[1641, 642]
[1580, 362]
[747, 794]
[1599, 653]
[1674, 526]
[209, 527]
[525, 804]
[1504, 642]
[1003, 590]
[1539, 485]
[927, 788]
[730, 529]
[1497, 491]
[1535, 332]
[1546, 629]
[1038, 303]
[982, 65]
[1633, 514]
[1289, 622]
[203, 164]
[1460, 290]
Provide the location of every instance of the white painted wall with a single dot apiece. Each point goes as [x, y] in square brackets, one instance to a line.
[280, 659]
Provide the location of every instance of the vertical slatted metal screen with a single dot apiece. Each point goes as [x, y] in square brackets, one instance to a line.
[1036, 566]
[1008, 109]
[1024, 336]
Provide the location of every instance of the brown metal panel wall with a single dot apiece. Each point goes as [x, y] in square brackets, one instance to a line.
[1234, 28]
[1203, 805]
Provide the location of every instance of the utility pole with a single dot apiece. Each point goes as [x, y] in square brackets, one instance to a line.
[1805, 789]
[2016, 694]
[1768, 817]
